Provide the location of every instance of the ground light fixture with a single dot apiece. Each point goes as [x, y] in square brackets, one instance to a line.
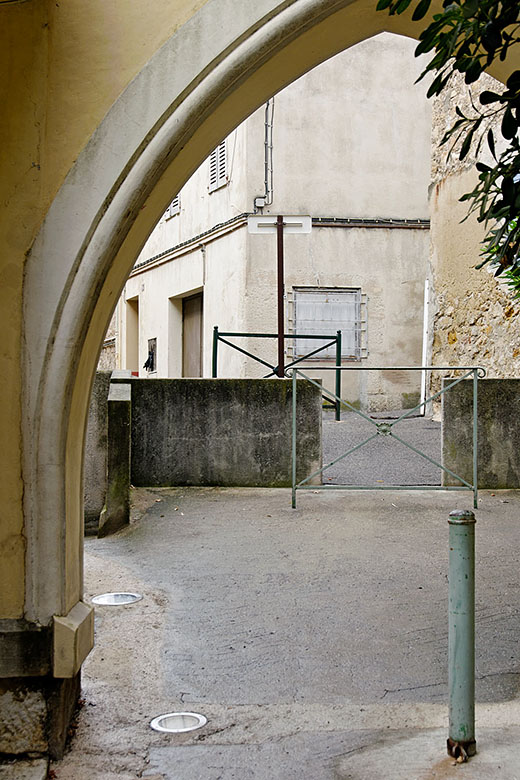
[178, 722]
[116, 599]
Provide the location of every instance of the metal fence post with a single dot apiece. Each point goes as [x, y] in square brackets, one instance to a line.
[338, 376]
[461, 635]
[214, 353]
[293, 463]
[475, 438]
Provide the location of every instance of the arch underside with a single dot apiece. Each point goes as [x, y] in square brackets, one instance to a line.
[191, 94]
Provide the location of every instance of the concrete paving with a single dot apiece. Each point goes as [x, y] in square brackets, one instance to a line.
[314, 640]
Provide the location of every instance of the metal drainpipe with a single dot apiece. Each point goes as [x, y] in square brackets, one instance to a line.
[461, 635]
[267, 198]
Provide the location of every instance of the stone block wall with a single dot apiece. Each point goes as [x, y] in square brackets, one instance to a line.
[473, 317]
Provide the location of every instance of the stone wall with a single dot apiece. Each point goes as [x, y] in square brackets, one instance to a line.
[222, 431]
[473, 317]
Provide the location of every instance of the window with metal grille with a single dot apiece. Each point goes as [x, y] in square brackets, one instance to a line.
[325, 311]
[174, 208]
[217, 167]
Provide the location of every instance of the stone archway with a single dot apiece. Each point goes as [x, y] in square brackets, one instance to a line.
[193, 92]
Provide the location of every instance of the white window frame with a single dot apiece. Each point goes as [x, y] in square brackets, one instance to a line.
[354, 331]
[174, 208]
[218, 175]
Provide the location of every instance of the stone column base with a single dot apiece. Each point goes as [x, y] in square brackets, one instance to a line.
[35, 713]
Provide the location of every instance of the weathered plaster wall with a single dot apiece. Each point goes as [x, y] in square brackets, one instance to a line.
[345, 143]
[389, 265]
[216, 267]
[54, 93]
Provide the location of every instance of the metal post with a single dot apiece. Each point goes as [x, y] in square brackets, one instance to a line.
[214, 353]
[461, 635]
[475, 438]
[338, 376]
[280, 279]
[294, 440]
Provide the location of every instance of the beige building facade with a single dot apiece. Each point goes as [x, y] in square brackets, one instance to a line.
[108, 110]
[352, 150]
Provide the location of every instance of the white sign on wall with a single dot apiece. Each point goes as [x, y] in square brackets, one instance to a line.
[267, 224]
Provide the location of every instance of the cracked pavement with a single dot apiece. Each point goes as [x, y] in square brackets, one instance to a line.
[314, 640]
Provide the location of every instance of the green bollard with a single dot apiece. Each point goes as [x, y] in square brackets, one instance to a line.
[461, 635]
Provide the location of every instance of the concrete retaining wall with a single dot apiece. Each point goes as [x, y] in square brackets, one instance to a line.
[116, 512]
[96, 452]
[498, 432]
[222, 431]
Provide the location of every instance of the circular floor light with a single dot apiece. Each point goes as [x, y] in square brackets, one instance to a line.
[178, 722]
[116, 599]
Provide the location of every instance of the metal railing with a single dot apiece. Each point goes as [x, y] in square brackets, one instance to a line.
[385, 429]
[222, 336]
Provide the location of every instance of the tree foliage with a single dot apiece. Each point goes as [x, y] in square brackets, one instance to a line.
[466, 37]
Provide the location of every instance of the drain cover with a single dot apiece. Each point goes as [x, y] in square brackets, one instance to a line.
[116, 599]
[178, 722]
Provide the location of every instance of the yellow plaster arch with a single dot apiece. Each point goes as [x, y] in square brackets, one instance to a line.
[156, 134]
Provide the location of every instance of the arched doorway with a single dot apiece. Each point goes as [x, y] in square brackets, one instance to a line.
[195, 89]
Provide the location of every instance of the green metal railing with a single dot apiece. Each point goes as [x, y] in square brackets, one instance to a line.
[385, 429]
[220, 336]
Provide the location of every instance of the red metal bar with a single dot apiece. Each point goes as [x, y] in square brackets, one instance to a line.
[280, 275]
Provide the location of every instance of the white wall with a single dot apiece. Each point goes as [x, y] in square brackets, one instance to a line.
[351, 140]
[352, 137]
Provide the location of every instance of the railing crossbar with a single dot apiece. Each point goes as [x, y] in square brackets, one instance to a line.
[245, 352]
[476, 371]
[274, 369]
[300, 359]
[333, 462]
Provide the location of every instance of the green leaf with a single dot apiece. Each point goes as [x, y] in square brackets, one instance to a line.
[491, 143]
[491, 37]
[400, 6]
[382, 4]
[437, 85]
[470, 8]
[473, 72]
[466, 146]
[513, 82]
[508, 189]
[488, 97]
[509, 125]
[421, 10]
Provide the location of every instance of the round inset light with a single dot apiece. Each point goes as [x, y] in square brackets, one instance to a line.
[116, 599]
[178, 722]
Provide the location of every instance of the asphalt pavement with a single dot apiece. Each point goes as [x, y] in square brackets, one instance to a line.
[314, 640]
[384, 460]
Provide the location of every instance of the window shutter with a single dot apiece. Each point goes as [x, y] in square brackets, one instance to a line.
[174, 208]
[325, 311]
[217, 167]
